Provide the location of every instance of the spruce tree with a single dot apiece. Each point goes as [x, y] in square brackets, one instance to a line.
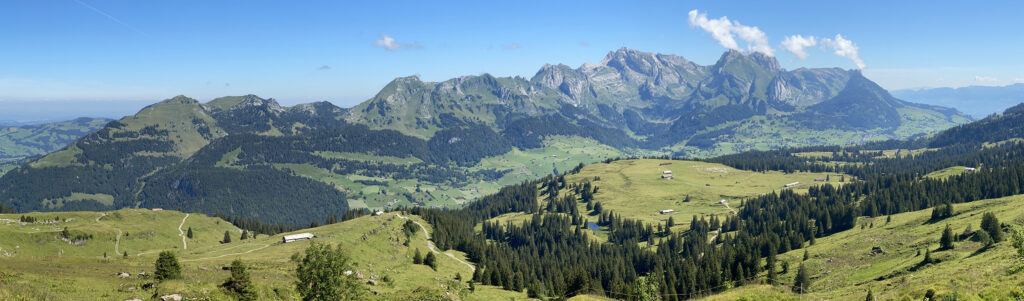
[189, 234]
[927, 256]
[227, 237]
[771, 266]
[418, 257]
[167, 267]
[990, 224]
[947, 239]
[245, 235]
[240, 284]
[870, 297]
[802, 281]
[430, 260]
[806, 256]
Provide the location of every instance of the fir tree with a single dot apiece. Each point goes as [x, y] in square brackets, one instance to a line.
[417, 258]
[240, 284]
[870, 297]
[430, 260]
[227, 237]
[771, 266]
[802, 281]
[245, 235]
[167, 267]
[946, 241]
[189, 234]
[990, 224]
[806, 256]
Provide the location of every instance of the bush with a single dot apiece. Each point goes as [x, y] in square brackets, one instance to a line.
[321, 274]
[240, 285]
[167, 266]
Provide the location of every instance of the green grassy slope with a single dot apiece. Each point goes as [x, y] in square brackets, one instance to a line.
[635, 189]
[18, 142]
[843, 267]
[35, 264]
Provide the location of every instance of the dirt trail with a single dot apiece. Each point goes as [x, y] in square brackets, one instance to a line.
[226, 255]
[430, 244]
[184, 242]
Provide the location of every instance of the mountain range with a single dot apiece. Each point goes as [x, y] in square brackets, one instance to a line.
[18, 142]
[978, 101]
[445, 143]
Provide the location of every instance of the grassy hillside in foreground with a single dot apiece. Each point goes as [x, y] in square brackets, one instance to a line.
[843, 267]
[37, 265]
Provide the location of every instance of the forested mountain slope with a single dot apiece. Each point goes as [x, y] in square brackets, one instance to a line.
[444, 144]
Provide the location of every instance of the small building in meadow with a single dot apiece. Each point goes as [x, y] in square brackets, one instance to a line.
[791, 185]
[819, 179]
[970, 169]
[293, 237]
[666, 175]
[666, 211]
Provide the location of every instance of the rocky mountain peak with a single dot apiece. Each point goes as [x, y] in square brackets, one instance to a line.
[769, 63]
[253, 101]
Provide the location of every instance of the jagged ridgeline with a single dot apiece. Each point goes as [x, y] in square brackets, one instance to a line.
[446, 143]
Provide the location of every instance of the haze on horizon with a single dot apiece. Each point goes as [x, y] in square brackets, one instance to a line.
[109, 58]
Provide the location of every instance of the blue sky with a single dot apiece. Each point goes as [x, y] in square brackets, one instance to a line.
[122, 51]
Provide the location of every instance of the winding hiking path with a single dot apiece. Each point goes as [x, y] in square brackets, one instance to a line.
[184, 242]
[723, 202]
[226, 255]
[430, 244]
[719, 231]
[117, 243]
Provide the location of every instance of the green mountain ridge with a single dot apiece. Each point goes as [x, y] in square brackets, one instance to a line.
[442, 144]
[19, 143]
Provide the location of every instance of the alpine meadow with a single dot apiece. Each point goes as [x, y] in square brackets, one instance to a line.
[766, 162]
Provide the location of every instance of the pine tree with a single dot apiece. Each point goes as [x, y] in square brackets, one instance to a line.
[245, 235]
[947, 239]
[125, 254]
[771, 266]
[927, 256]
[227, 237]
[167, 266]
[990, 224]
[870, 297]
[418, 257]
[430, 260]
[802, 281]
[806, 256]
[189, 234]
[533, 290]
[240, 284]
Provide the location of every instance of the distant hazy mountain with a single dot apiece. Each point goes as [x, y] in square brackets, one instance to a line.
[444, 143]
[978, 101]
[20, 141]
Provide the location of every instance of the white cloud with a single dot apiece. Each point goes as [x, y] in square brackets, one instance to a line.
[844, 48]
[389, 43]
[985, 79]
[795, 44]
[725, 32]
[1018, 80]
